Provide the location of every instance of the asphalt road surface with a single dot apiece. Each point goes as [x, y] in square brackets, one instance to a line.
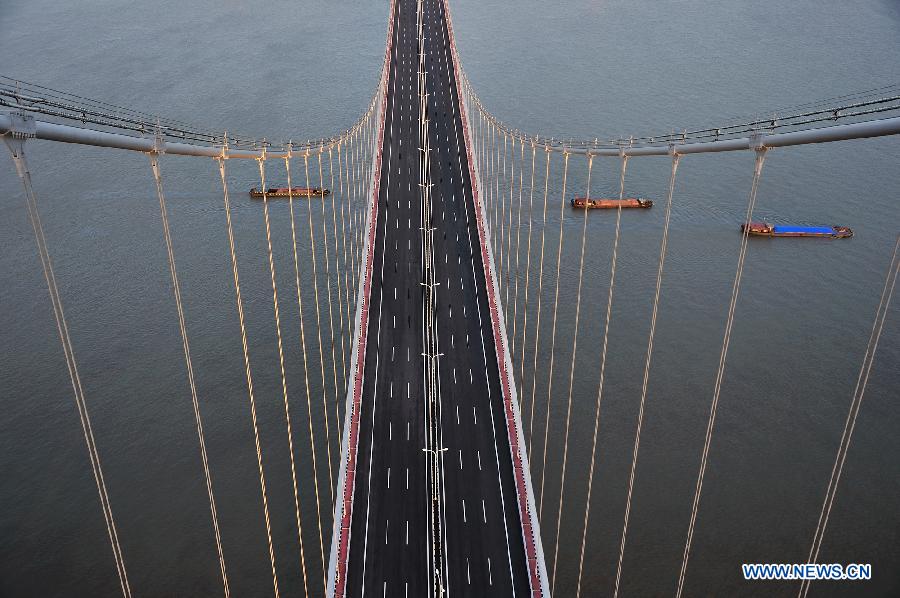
[483, 553]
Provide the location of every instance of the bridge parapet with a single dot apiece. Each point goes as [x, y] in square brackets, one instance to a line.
[531, 536]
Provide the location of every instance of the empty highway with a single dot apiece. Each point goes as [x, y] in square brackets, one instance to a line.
[391, 531]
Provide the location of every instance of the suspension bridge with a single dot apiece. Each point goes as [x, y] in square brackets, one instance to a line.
[431, 340]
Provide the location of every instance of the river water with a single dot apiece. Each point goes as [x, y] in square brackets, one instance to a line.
[578, 68]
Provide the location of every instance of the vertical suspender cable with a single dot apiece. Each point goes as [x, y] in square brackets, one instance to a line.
[482, 152]
[16, 148]
[333, 362]
[284, 391]
[515, 318]
[240, 306]
[509, 258]
[609, 300]
[501, 201]
[858, 392]
[491, 209]
[510, 183]
[357, 160]
[562, 479]
[726, 340]
[562, 204]
[345, 266]
[322, 368]
[676, 158]
[488, 181]
[537, 323]
[182, 326]
[354, 220]
[340, 291]
[527, 273]
[312, 436]
[312, 242]
[495, 196]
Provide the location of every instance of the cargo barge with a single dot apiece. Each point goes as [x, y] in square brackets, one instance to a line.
[603, 203]
[290, 192]
[763, 229]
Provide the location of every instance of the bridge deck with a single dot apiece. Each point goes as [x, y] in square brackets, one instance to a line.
[389, 534]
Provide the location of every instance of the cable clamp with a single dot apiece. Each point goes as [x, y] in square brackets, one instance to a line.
[159, 142]
[673, 149]
[757, 141]
[21, 125]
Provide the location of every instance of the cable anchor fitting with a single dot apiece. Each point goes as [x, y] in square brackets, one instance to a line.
[757, 141]
[223, 154]
[22, 128]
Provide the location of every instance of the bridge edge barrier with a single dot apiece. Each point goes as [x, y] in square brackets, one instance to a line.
[531, 534]
[343, 509]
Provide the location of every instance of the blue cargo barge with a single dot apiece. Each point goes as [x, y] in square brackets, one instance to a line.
[763, 229]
